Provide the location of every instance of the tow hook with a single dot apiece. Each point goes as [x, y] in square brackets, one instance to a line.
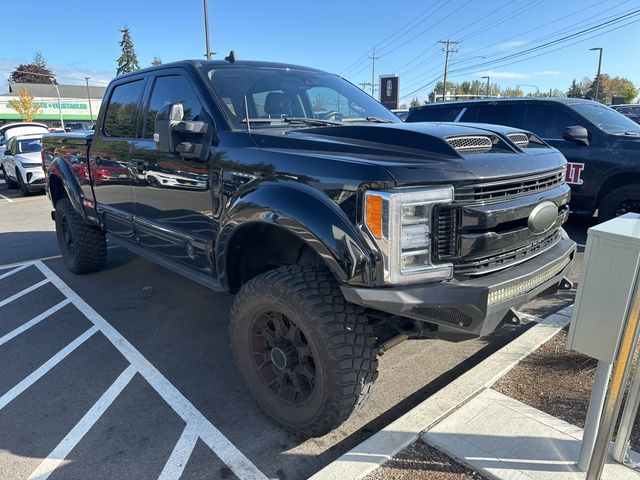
[512, 317]
[565, 284]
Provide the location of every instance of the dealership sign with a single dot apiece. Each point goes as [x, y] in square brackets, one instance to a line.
[390, 91]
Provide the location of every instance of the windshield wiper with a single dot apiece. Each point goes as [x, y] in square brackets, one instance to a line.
[306, 121]
[368, 119]
[310, 121]
[627, 133]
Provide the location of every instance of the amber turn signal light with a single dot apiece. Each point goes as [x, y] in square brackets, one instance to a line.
[373, 214]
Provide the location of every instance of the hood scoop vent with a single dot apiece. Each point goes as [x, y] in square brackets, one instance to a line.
[521, 139]
[471, 143]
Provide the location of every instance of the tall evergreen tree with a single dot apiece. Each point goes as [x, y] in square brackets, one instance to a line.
[38, 59]
[128, 61]
[574, 90]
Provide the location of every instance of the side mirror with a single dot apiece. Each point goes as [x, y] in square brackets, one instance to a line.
[576, 134]
[191, 139]
[7, 152]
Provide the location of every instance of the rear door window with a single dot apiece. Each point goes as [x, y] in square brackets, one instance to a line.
[548, 121]
[508, 115]
[120, 120]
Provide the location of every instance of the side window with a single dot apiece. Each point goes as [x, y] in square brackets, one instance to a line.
[547, 121]
[120, 118]
[435, 114]
[167, 90]
[509, 115]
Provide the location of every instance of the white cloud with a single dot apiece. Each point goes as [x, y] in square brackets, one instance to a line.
[505, 46]
[515, 75]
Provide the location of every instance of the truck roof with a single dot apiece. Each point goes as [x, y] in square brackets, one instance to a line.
[195, 64]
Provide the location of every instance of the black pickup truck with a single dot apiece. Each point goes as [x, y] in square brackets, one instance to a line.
[340, 229]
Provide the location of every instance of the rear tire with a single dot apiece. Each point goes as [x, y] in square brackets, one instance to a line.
[307, 355]
[83, 247]
[618, 202]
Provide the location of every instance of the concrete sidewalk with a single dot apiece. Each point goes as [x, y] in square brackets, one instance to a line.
[505, 439]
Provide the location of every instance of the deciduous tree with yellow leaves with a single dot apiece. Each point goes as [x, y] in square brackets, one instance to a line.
[25, 106]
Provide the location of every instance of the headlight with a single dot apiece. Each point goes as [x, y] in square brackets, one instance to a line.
[30, 165]
[400, 221]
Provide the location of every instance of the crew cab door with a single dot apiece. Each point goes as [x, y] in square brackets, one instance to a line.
[173, 204]
[108, 161]
[549, 122]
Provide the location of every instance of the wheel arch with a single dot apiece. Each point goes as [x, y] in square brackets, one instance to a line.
[292, 225]
[61, 183]
[617, 180]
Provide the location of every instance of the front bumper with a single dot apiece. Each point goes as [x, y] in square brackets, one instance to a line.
[33, 178]
[475, 306]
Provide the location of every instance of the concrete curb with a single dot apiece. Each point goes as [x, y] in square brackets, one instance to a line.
[388, 442]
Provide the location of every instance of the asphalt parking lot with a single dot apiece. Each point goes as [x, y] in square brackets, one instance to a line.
[127, 373]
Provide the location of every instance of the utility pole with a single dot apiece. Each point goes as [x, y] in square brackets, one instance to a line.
[373, 72]
[86, 79]
[206, 28]
[487, 95]
[598, 74]
[447, 49]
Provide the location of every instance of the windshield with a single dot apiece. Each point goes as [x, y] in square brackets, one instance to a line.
[277, 95]
[29, 146]
[607, 119]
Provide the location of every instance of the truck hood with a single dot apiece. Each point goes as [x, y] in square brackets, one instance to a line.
[415, 153]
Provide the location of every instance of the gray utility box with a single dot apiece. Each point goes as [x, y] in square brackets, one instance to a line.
[608, 280]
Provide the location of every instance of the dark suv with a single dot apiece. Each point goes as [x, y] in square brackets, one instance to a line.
[601, 145]
[340, 229]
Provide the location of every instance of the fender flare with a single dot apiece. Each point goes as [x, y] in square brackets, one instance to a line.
[58, 168]
[309, 215]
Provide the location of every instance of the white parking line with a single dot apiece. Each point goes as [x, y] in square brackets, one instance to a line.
[34, 321]
[45, 367]
[57, 456]
[5, 198]
[174, 467]
[203, 428]
[23, 292]
[15, 270]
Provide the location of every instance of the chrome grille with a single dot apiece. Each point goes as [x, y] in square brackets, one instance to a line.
[521, 139]
[475, 143]
[504, 189]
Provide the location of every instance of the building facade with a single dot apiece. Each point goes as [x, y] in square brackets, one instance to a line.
[76, 104]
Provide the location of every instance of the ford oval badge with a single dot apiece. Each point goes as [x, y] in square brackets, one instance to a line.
[543, 217]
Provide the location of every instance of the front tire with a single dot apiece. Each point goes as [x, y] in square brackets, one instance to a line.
[307, 355]
[23, 187]
[10, 183]
[618, 202]
[83, 247]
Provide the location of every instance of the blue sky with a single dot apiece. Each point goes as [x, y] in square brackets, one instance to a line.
[80, 38]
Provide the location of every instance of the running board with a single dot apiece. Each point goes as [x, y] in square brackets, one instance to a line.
[188, 272]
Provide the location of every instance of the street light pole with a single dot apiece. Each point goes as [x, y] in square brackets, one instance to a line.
[598, 74]
[86, 79]
[206, 28]
[55, 84]
[487, 95]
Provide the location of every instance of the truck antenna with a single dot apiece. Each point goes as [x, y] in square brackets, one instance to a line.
[246, 113]
[231, 58]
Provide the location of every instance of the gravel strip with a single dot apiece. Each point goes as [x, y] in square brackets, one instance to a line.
[420, 461]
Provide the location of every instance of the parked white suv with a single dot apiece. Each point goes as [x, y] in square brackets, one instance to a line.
[18, 128]
[22, 163]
